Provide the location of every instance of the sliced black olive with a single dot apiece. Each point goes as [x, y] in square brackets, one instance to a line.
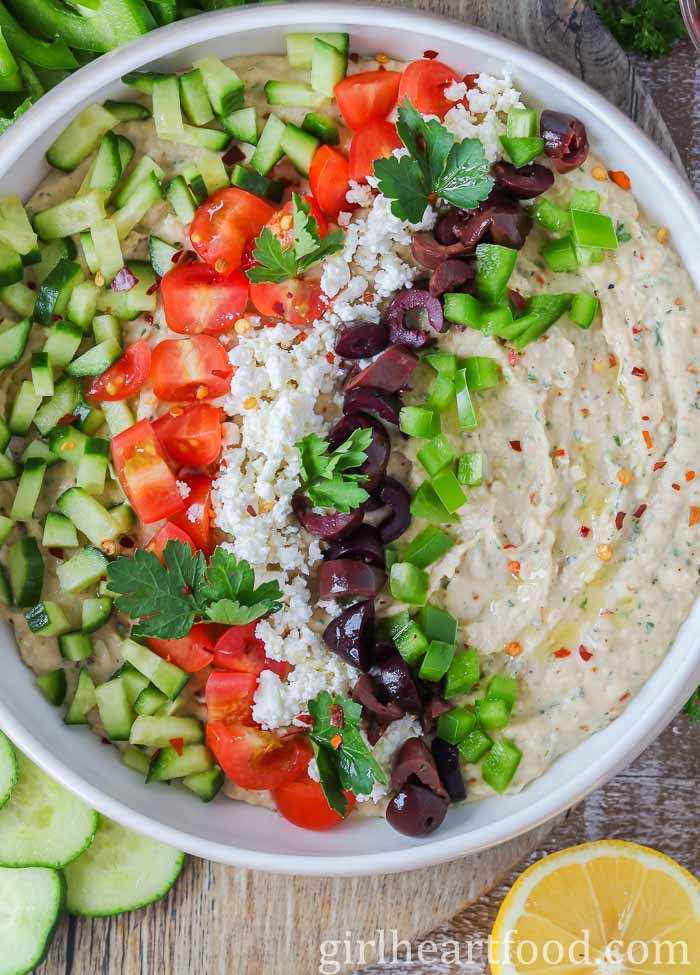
[416, 811]
[346, 577]
[447, 760]
[351, 634]
[565, 140]
[525, 183]
[364, 399]
[361, 340]
[396, 497]
[363, 544]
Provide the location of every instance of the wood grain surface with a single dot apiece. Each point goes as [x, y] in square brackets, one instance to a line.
[218, 920]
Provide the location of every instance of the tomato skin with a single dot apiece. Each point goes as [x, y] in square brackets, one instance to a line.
[190, 654]
[195, 517]
[239, 649]
[329, 178]
[366, 96]
[303, 803]
[257, 759]
[168, 533]
[297, 302]
[191, 436]
[144, 474]
[375, 141]
[224, 223]
[126, 377]
[190, 370]
[423, 83]
[197, 299]
[229, 697]
[282, 226]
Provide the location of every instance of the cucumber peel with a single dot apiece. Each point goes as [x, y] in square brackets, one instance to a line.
[8, 768]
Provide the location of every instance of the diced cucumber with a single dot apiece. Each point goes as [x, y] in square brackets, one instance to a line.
[119, 416]
[248, 179]
[37, 448]
[158, 732]
[84, 700]
[90, 418]
[136, 759]
[161, 255]
[88, 249]
[67, 443]
[127, 111]
[19, 298]
[15, 229]
[24, 408]
[53, 686]
[328, 66]
[213, 172]
[88, 515]
[116, 713]
[96, 611]
[300, 147]
[92, 469]
[71, 216]
[166, 676]
[5, 435]
[6, 526]
[107, 168]
[5, 594]
[322, 127]
[75, 646]
[195, 183]
[83, 570]
[33, 903]
[13, 342]
[108, 252]
[134, 682]
[143, 168]
[167, 113]
[62, 343]
[293, 94]
[51, 254]
[121, 871]
[59, 532]
[96, 360]
[11, 267]
[126, 151]
[145, 196]
[47, 619]
[167, 764]
[128, 305]
[26, 568]
[206, 785]
[80, 137]
[142, 80]
[106, 327]
[300, 46]
[64, 400]
[213, 139]
[181, 199]
[269, 150]
[28, 490]
[8, 468]
[149, 701]
[242, 125]
[55, 291]
[124, 516]
[82, 304]
[223, 86]
[194, 98]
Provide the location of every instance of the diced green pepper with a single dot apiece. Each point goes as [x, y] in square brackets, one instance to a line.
[411, 643]
[455, 725]
[427, 547]
[474, 746]
[462, 309]
[436, 661]
[437, 453]
[501, 764]
[441, 395]
[463, 673]
[449, 490]
[503, 688]
[492, 714]
[560, 254]
[470, 468]
[437, 624]
[482, 372]
[585, 200]
[388, 627]
[550, 216]
[493, 319]
[593, 229]
[427, 505]
[522, 149]
[444, 363]
[494, 266]
[584, 307]
[408, 583]
[521, 123]
[466, 413]
[419, 422]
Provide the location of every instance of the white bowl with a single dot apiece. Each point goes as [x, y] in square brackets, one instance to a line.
[244, 835]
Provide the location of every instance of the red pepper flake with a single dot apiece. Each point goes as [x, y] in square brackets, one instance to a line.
[152, 290]
[32, 285]
[585, 411]
[337, 716]
[560, 452]
[659, 465]
[330, 358]
[512, 358]
[640, 372]
[619, 518]
[625, 697]
[584, 654]
[636, 330]
[690, 475]
[430, 55]
[179, 745]
[676, 487]
[647, 439]
[336, 741]
[57, 553]
[640, 511]
[621, 178]
[612, 360]
[693, 516]
[304, 719]
[646, 419]
[251, 511]
[509, 545]
[301, 337]
[55, 318]
[561, 653]
[516, 446]
[149, 318]
[514, 567]
[584, 531]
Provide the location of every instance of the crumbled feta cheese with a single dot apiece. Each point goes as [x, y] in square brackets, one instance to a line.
[195, 513]
[456, 91]
[183, 489]
[386, 748]
[359, 193]
[485, 117]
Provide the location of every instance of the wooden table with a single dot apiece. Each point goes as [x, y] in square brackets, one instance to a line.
[655, 801]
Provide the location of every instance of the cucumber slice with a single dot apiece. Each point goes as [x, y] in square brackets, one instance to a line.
[55, 291]
[165, 676]
[96, 360]
[242, 125]
[223, 86]
[88, 515]
[167, 113]
[5, 594]
[213, 172]
[6, 526]
[19, 298]
[213, 139]
[96, 611]
[26, 568]
[8, 768]
[128, 305]
[107, 168]
[137, 760]
[158, 732]
[300, 147]
[321, 126]
[134, 682]
[62, 343]
[13, 342]
[62, 403]
[108, 251]
[51, 254]
[161, 255]
[59, 532]
[37, 448]
[53, 687]
[149, 701]
[71, 216]
[328, 66]
[11, 267]
[90, 418]
[33, 902]
[126, 151]
[82, 304]
[124, 516]
[47, 619]
[142, 80]
[42, 374]
[67, 443]
[194, 98]
[141, 170]
[119, 416]
[269, 149]
[145, 196]
[195, 183]
[300, 46]
[43, 825]
[83, 570]
[24, 409]
[206, 785]
[80, 138]
[181, 199]
[121, 871]
[92, 469]
[127, 111]
[293, 94]
[248, 179]
[116, 713]
[88, 249]
[28, 490]
[16, 230]
[5, 435]
[75, 646]
[106, 327]
[83, 700]
[168, 764]
[8, 468]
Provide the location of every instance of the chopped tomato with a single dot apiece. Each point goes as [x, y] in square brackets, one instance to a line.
[190, 369]
[144, 474]
[191, 653]
[375, 141]
[303, 803]
[126, 377]
[257, 759]
[229, 697]
[297, 302]
[168, 533]
[423, 83]
[197, 299]
[224, 223]
[197, 515]
[329, 178]
[282, 222]
[191, 435]
[239, 649]
[367, 96]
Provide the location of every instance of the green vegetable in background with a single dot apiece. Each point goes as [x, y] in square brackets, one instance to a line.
[647, 26]
[692, 708]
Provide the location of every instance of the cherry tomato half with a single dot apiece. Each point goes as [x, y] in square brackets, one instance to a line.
[197, 299]
[186, 370]
[190, 654]
[329, 178]
[168, 533]
[126, 377]
[376, 141]
[195, 518]
[423, 83]
[144, 474]
[257, 759]
[224, 223]
[190, 435]
[303, 803]
[297, 302]
[367, 96]
[282, 222]
[229, 697]
[240, 650]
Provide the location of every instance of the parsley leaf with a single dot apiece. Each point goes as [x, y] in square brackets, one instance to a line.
[230, 588]
[276, 264]
[647, 26]
[344, 759]
[465, 181]
[329, 479]
[692, 708]
[402, 181]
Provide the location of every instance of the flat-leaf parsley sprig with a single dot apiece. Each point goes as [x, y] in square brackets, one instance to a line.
[331, 479]
[276, 264]
[166, 597]
[436, 167]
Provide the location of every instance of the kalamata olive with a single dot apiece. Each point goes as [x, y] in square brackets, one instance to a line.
[361, 340]
[445, 229]
[365, 693]
[416, 811]
[447, 760]
[377, 453]
[333, 525]
[346, 577]
[398, 684]
[395, 496]
[363, 544]
[391, 371]
[452, 275]
[510, 226]
[433, 705]
[518, 301]
[524, 183]
[565, 140]
[364, 399]
[397, 317]
[474, 229]
[430, 253]
[383, 649]
[351, 633]
[415, 762]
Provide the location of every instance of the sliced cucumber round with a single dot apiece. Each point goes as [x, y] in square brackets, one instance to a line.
[42, 824]
[121, 871]
[32, 903]
[8, 768]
